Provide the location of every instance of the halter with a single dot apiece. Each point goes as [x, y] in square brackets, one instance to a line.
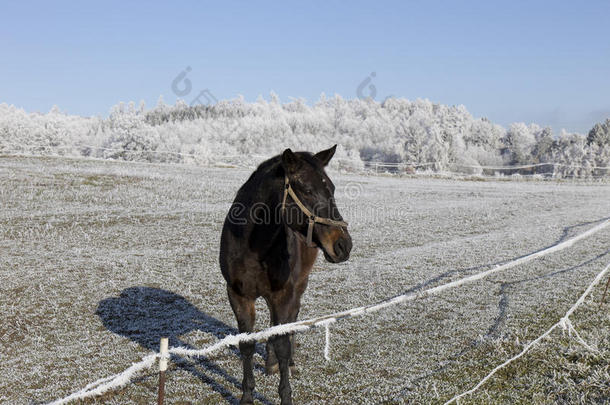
[310, 216]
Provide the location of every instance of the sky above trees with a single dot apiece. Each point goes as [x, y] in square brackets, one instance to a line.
[543, 62]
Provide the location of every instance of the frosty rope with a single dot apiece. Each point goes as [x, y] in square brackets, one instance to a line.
[564, 322]
[566, 325]
[326, 323]
[123, 378]
[108, 383]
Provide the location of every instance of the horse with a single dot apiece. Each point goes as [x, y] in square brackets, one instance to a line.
[279, 219]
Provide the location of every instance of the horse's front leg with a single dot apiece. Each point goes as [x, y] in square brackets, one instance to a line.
[282, 348]
[284, 311]
[293, 338]
[245, 314]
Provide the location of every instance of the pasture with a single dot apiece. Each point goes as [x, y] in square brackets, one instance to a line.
[99, 259]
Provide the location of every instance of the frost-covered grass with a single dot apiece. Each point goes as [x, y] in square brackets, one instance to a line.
[100, 258]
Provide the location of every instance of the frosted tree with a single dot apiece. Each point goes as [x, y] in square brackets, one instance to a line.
[598, 141]
[600, 134]
[417, 133]
[520, 141]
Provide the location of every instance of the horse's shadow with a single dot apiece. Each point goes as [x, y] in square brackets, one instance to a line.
[145, 314]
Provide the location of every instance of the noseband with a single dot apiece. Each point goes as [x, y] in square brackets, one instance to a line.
[311, 217]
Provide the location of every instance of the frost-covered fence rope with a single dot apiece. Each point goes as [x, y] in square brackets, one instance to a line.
[109, 383]
[327, 319]
[113, 382]
[564, 322]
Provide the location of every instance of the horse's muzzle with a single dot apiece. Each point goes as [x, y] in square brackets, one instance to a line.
[341, 249]
[343, 246]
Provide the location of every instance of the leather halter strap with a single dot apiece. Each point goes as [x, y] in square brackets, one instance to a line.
[312, 219]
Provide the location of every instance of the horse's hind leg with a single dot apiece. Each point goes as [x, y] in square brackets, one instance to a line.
[271, 366]
[293, 368]
[245, 314]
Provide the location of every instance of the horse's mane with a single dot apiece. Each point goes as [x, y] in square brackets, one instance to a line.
[273, 167]
[270, 168]
[273, 163]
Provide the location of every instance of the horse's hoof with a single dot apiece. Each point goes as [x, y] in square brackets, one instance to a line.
[272, 369]
[246, 400]
[294, 371]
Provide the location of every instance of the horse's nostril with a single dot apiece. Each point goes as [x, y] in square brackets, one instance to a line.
[338, 247]
[341, 247]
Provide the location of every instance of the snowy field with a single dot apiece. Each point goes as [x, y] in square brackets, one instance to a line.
[98, 259]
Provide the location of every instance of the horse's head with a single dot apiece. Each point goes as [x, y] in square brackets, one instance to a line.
[310, 207]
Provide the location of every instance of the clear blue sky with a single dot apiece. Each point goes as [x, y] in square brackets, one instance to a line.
[544, 62]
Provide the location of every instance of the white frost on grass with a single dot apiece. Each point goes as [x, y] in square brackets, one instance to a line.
[563, 322]
[141, 242]
[325, 320]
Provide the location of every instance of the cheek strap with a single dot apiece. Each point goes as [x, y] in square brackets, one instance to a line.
[312, 219]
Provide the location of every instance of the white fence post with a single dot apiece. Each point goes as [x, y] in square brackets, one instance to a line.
[164, 354]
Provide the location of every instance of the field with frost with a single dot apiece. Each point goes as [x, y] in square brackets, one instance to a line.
[98, 259]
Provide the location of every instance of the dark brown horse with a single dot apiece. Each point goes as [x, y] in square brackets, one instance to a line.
[281, 216]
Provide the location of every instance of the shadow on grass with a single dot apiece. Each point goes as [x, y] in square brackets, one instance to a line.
[145, 314]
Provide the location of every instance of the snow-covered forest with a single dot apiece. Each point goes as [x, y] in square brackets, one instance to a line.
[420, 134]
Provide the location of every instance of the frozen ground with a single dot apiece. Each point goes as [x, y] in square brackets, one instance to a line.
[98, 259]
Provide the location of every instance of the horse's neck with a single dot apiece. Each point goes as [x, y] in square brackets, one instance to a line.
[267, 225]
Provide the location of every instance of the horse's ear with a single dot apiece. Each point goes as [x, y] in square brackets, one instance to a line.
[290, 161]
[326, 155]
